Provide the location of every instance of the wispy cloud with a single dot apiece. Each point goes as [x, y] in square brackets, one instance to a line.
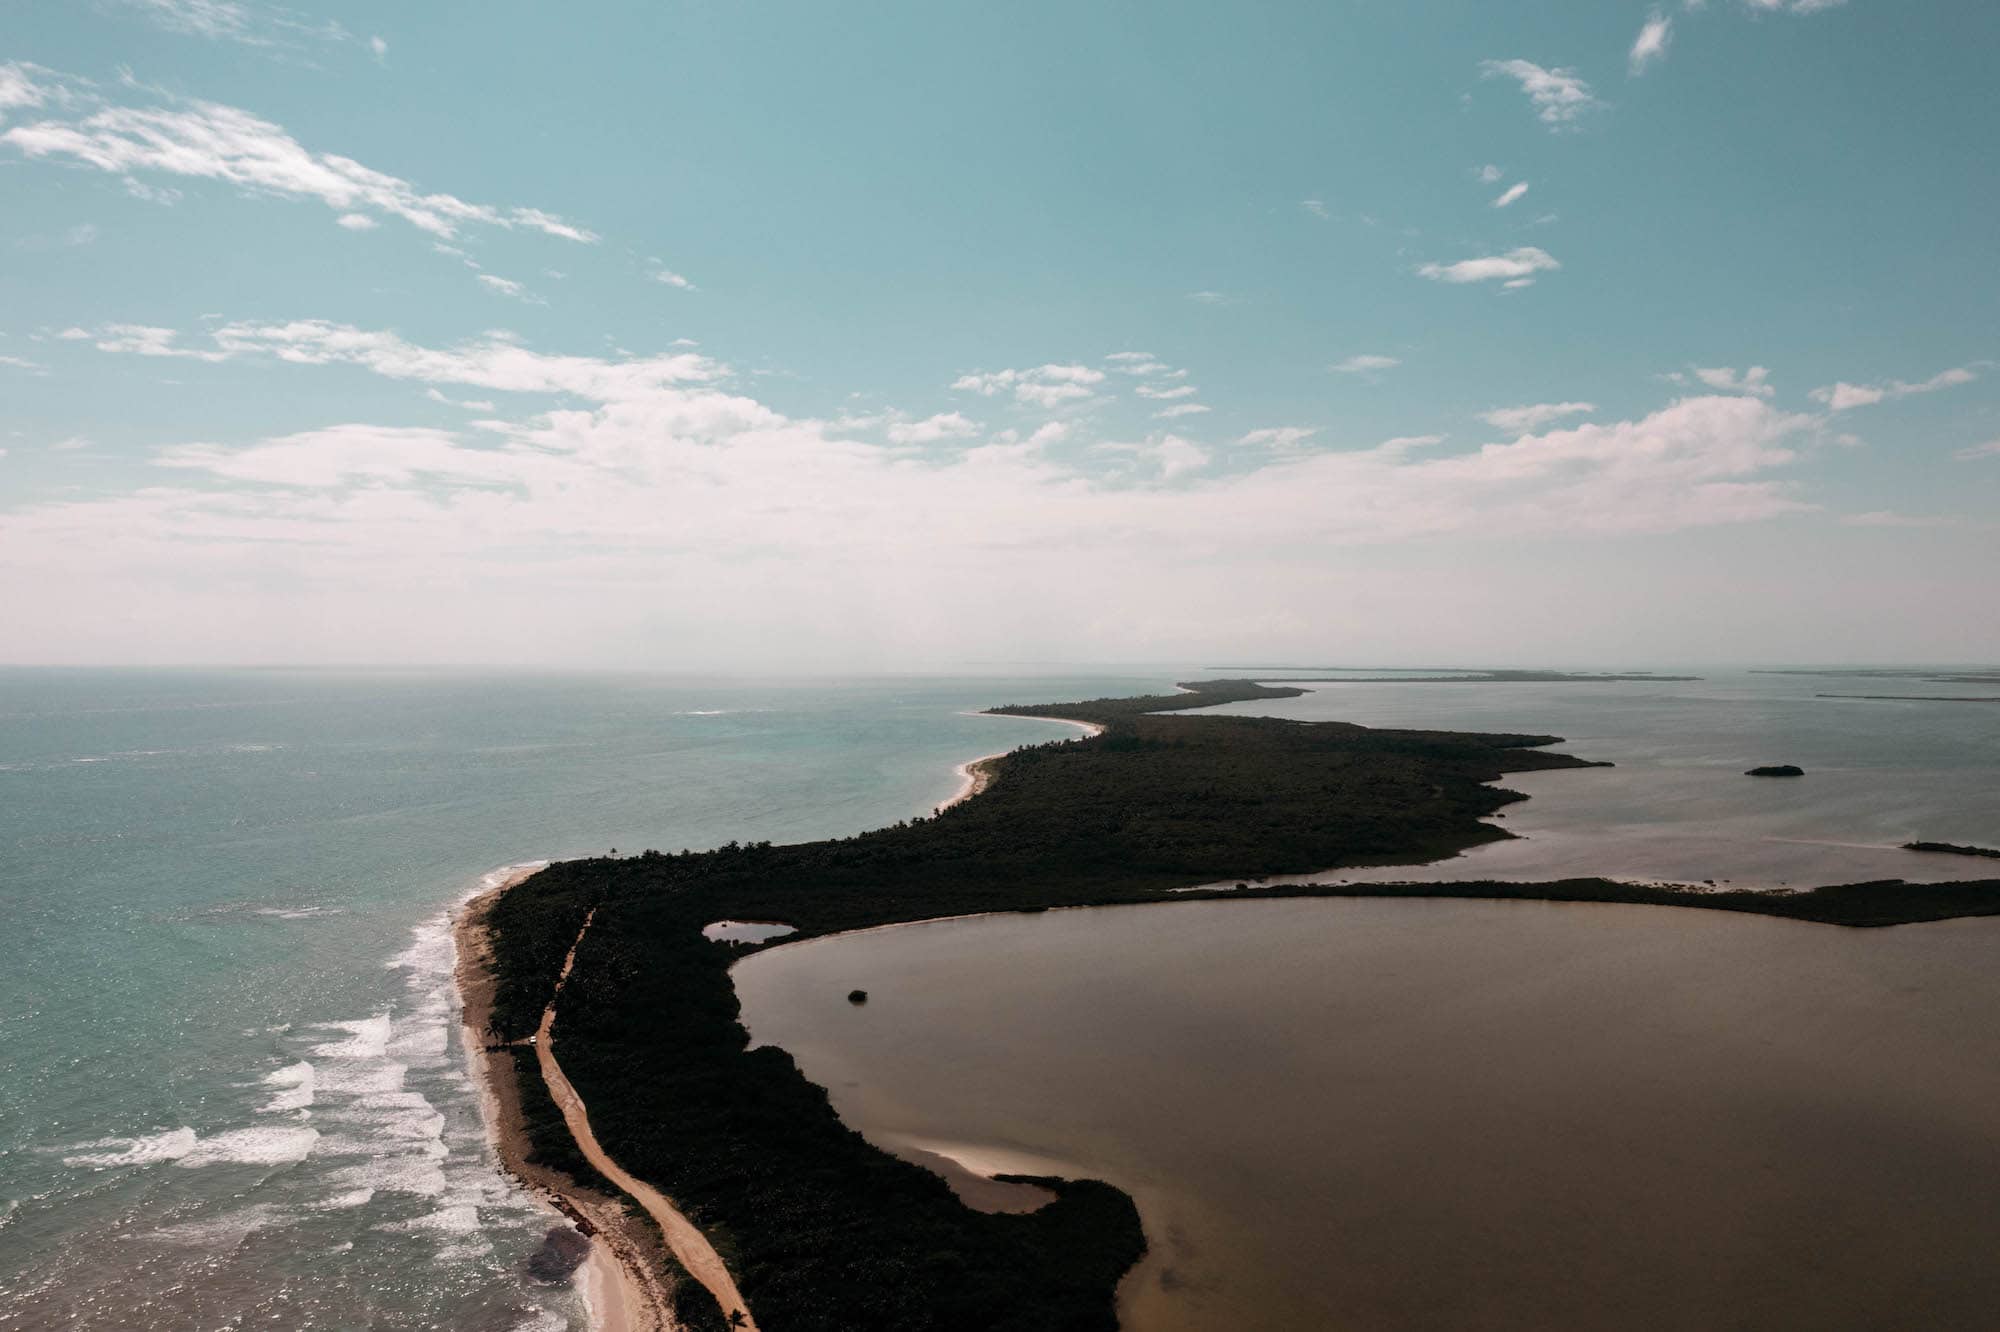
[1317, 207]
[1511, 194]
[1211, 298]
[1892, 518]
[1488, 174]
[190, 139]
[1367, 363]
[1523, 420]
[1793, 6]
[932, 429]
[1560, 96]
[1178, 410]
[1843, 396]
[667, 277]
[1650, 46]
[232, 21]
[1516, 265]
[1046, 386]
[493, 362]
[1725, 379]
[1279, 437]
[1990, 449]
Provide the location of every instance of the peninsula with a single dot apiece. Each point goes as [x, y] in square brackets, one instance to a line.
[599, 970]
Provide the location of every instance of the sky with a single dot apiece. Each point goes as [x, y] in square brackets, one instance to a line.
[783, 335]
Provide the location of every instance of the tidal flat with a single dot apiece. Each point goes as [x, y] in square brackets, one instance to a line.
[1434, 1114]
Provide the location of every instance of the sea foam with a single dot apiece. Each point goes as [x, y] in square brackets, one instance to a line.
[252, 1146]
[296, 1080]
[367, 1038]
[107, 1152]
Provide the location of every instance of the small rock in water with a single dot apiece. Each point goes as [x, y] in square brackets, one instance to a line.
[857, 996]
[562, 1251]
[1777, 770]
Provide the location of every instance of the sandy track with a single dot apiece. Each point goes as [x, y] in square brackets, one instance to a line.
[689, 1245]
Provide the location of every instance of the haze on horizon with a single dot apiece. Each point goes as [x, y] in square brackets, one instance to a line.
[715, 335]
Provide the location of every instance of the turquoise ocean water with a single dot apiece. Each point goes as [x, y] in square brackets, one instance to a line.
[231, 1090]
[231, 1093]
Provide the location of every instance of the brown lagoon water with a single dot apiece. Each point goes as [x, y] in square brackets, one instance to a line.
[1436, 1114]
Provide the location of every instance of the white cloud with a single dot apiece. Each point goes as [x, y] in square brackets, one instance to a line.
[1177, 455]
[945, 425]
[1178, 410]
[1279, 437]
[1488, 174]
[1651, 44]
[357, 222]
[1522, 420]
[1560, 97]
[493, 363]
[23, 84]
[380, 47]
[208, 141]
[1793, 6]
[416, 541]
[1177, 391]
[668, 277]
[1317, 207]
[1724, 379]
[1047, 386]
[1842, 396]
[21, 363]
[1211, 298]
[1520, 263]
[1131, 356]
[1367, 363]
[1511, 194]
[1990, 449]
[71, 444]
[505, 286]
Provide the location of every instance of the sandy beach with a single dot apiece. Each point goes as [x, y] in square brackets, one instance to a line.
[621, 1280]
[975, 775]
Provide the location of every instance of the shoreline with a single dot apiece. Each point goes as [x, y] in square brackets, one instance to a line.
[620, 1288]
[975, 775]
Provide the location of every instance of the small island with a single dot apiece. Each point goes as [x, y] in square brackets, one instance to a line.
[603, 964]
[1777, 770]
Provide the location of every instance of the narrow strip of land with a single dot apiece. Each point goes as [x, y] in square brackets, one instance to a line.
[689, 1245]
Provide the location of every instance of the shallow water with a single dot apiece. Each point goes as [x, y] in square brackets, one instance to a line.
[230, 1087]
[1446, 1115]
[1677, 806]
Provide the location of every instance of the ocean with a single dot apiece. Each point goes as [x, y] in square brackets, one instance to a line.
[231, 1091]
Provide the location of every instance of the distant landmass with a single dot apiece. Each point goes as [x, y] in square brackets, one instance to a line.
[1442, 675]
[1921, 698]
[1980, 676]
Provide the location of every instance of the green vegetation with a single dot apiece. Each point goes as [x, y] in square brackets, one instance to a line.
[821, 1230]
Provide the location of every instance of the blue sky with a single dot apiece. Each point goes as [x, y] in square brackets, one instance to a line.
[931, 334]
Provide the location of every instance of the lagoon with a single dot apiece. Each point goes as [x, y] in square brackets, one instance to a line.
[1449, 1114]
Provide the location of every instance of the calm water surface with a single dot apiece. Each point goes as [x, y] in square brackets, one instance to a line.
[1451, 1115]
[1677, 806]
